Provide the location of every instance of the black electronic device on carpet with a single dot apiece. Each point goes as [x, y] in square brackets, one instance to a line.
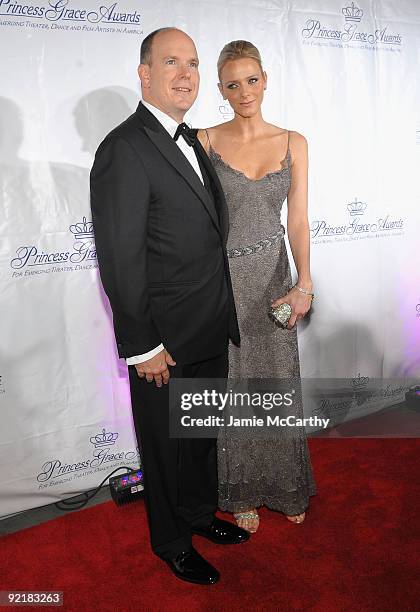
[127, 487]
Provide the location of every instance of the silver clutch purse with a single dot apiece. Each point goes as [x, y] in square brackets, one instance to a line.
[281, 314]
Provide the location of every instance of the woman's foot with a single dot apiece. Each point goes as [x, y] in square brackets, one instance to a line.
[248, 520]
[296, 518]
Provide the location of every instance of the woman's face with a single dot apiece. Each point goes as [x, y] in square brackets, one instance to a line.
[242, 85]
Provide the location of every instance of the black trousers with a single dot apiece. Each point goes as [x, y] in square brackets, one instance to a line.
[180, 475]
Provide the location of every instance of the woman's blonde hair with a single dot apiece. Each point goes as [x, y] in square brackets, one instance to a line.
[238, 49]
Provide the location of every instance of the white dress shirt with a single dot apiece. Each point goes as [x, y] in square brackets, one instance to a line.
[170, 125]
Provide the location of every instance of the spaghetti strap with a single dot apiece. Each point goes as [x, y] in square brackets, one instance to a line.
[208, 138]
[288, 153]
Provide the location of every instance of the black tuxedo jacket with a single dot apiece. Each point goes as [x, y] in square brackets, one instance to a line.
[161, 244]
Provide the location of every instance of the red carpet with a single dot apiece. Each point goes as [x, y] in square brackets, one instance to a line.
[357, 549]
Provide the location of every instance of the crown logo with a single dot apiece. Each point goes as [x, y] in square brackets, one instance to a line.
[356, 207]
[352, 13]
[82, 230]
[103, 439]
[360, 382]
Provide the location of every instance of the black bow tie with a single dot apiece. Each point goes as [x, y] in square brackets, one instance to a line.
[187, 133]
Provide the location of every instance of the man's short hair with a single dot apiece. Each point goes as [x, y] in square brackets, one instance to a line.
[146, 46]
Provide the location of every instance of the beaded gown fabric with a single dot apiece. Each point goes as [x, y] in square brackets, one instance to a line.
[274, 472]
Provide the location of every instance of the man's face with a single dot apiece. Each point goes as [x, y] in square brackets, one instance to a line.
[171, 81]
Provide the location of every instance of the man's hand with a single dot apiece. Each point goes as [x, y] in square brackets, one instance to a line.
[156, 368]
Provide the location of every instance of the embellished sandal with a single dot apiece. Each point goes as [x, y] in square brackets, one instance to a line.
[248, 520]
[296, 518]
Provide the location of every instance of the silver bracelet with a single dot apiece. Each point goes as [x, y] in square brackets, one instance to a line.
[304, 291]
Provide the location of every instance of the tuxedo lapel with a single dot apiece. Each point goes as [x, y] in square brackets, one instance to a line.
[172, 153]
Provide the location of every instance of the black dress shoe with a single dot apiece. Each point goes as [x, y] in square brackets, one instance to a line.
[192, 567]
[222, 532]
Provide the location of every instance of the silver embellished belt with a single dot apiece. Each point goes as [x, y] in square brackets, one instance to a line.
[261, 245]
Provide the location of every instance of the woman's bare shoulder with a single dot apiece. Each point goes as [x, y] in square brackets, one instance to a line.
[298, 146]
[210, 134]
[298, 139]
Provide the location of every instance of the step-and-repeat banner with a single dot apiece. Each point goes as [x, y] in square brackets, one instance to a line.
[343, 73]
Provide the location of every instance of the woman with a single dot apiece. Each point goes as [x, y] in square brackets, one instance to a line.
[259, 165]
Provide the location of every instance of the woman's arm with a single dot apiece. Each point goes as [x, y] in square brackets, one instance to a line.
[298, 230]
[297, 211]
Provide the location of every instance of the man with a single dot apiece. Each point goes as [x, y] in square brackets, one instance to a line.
[160, 223]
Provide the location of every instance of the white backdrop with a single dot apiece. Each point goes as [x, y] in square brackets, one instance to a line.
[344, 74]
